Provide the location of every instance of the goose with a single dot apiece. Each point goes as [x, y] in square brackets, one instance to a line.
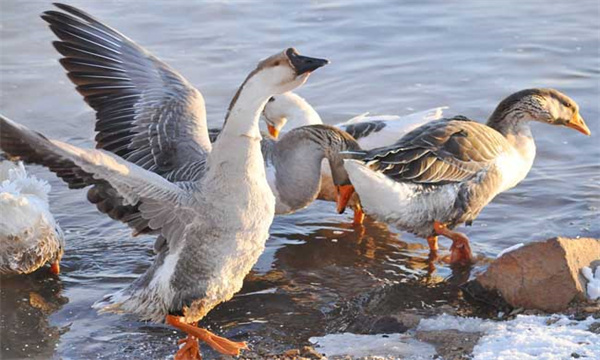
[293, 164]
[211, 230]
[127, 76]
[290, 111]
[156, 170]
[293, 191]
[445, 172]
[29, 235]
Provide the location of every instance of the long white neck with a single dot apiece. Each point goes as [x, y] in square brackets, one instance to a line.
[236, 152]
[301, 113]
[244, 114]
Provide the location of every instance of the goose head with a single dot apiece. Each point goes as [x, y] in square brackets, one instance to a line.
[288, 109]
[276, 74]
[287, 70]
[548, 106]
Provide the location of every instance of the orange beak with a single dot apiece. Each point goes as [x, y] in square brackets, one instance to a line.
[578, 124]
[273, 131]
[344, 193]
[55, 268]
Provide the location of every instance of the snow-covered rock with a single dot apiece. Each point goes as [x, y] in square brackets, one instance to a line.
[526, 337]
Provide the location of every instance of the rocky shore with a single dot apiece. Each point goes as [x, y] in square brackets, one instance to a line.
[535, 300]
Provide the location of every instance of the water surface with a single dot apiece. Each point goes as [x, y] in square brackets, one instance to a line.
[387, 58]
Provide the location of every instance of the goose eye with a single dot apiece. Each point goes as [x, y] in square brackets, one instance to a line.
[271, 99]
[277, 63]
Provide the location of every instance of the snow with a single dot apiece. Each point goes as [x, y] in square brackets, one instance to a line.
[509, 249]
[384, 346]
[526, 337]
[593, 285]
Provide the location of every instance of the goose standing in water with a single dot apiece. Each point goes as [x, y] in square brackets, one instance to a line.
[291, 111]
[212, 230]
[29, 235]
[210, 208]
[443, 173]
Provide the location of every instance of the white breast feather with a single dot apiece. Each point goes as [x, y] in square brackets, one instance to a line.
[514, 166]
[396, 202]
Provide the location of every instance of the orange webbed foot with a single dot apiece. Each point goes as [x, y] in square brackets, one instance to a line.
[190, 349]
[460, 251]
[218, 343]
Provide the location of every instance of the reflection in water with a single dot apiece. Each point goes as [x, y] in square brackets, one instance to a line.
[335, 278]
[27, 302]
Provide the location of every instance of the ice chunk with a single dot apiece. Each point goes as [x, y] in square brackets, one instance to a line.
[392, 345]
[509, 249]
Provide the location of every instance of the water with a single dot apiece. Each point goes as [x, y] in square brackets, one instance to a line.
[387, 59]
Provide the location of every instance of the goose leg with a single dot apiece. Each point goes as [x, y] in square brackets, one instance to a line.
[460, 251]
[359, 215]
[220, 344]
[55, 267]
[433, 243]
[433, 253]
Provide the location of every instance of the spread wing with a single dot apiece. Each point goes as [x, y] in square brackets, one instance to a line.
[146, 112]
[440, 152]
[166, 207]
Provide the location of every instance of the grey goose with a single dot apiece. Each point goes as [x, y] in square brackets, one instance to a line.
[445, 172]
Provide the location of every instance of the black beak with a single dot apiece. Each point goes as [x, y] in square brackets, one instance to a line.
[304, 64]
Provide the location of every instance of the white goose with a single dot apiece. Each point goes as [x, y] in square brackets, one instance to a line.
[212, 212]
[445, 172]
[29, 235]
[212, 230]
[291, 111]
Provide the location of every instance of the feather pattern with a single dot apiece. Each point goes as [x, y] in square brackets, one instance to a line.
[146, 112]
[439, 152]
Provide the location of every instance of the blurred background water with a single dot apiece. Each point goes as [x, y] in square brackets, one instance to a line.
[387, 58]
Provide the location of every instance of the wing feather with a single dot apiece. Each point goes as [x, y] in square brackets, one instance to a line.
[440, 152]
[146, 112]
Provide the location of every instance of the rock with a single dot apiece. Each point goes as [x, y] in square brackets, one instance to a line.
[595, 327]
[543, 275]
[291, 353]
[451, 344]
[409, 319]
[310, 353]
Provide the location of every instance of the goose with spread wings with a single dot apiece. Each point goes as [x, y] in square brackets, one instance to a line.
[137, 97]
[156, 170]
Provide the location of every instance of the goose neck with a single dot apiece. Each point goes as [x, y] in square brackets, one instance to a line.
[244, 112]
[301, 115]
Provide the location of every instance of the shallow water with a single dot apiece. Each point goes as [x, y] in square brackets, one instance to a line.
[387, 59]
